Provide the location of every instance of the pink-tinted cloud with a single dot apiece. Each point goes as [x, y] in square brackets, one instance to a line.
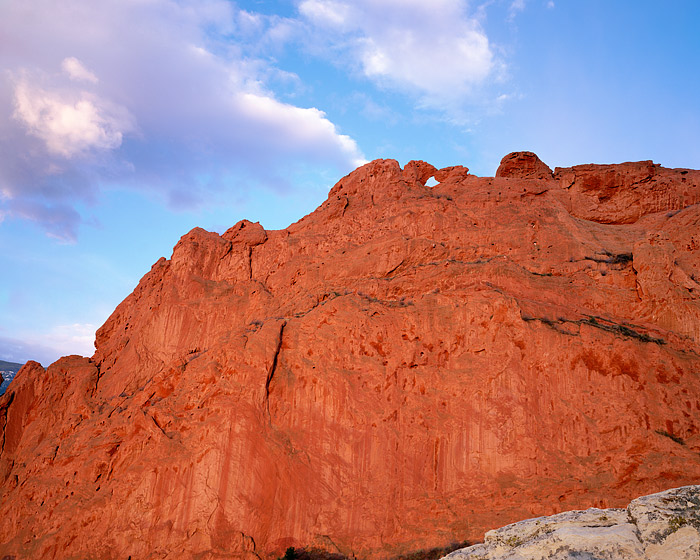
[156, 95]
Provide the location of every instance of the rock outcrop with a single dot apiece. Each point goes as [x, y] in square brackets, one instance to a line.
[523, 165]
[663, 526]
[405, 367]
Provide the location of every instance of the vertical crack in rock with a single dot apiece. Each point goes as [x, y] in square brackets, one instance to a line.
[5, 414]
[97, 380]
[633, 521]
[273, 367]
[216, 496]
[250, 262]
[248, 538]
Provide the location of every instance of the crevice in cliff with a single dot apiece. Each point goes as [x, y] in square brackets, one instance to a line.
[621, 259]
[157, 425]
[215, 494]
[229, 250]
[442, 262]
[118, 407]
[98, 376]
[273, 367]
[633, 521]
[401, 302]
[597, 322]
[556, 325]
[5, 413]
[249, 538]
[111, 470]
[617, 328]
[679, 440]
[395, 268]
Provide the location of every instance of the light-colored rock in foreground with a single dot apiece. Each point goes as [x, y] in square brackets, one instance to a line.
[661, 526]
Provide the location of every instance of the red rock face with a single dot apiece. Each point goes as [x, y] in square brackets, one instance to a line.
[523, 165]
[405, 367]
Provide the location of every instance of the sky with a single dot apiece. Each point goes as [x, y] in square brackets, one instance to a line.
[126, 123]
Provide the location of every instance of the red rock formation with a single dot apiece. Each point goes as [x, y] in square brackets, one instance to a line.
[404, 367]
[523, 165]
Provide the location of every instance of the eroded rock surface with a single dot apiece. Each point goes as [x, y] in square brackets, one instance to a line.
[663, 526]
[523, 165]
[403, 368]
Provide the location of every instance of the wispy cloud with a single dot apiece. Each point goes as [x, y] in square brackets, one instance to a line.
[75, 69]
[158, 95]
[516, 7]
[47, 347]
[435, 51]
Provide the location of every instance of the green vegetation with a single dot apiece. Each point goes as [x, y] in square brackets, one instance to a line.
[433, 553]
[514, 541]
[311, 554]
[676, 523]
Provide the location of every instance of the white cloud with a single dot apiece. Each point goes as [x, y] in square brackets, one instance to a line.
[432, 49]
[47, 347]
[402, 58]
[77, 338]
[516, 6]
[181, 106]
[70, 123]
[304, 127]
[75, 69]
[327, 12]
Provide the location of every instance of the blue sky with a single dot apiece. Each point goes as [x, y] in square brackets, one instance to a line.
[125, 123]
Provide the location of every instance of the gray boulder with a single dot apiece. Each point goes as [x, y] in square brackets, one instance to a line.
[663, 526]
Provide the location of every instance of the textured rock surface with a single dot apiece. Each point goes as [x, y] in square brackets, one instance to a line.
[523, 165]
[662, 526]
[405, 367]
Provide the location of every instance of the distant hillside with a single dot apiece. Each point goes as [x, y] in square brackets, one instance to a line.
[9, 366]
[8, 371]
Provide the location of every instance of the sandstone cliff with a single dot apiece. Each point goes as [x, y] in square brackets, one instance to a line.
[405, 367]
[662, 526]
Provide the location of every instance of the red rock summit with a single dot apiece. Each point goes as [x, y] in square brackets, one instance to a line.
[405, 367]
